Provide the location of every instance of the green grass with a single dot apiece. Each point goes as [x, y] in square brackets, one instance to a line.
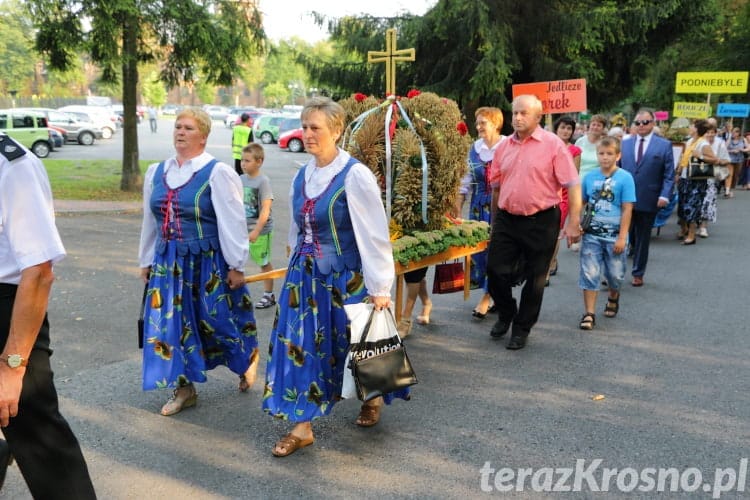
[89, 180]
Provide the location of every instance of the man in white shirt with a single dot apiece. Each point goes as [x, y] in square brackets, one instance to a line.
[37, 435]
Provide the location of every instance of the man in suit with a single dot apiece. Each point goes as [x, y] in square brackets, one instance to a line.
[648, 158]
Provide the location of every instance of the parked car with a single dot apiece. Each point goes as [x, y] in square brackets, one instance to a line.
[171, 109]
[289, 124]
[100, 116]
[292, 140]
[233, 116]
[216, 112]
[266, 127]
[29, 129]
[57, 138]
[76, 130]
[140, 112]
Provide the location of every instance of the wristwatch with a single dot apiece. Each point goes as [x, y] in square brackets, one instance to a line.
[15, 360]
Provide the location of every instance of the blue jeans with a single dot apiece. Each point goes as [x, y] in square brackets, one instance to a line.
[597, 256]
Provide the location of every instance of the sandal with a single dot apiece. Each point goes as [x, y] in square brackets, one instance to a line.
[247, 379]
[289, 444]
[266, 301]
[612, 307]
[403, 328]
[587, 321]
[369, 415]
[179, 401]
[478, 315]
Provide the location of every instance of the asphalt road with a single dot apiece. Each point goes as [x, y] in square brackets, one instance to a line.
[672, 369]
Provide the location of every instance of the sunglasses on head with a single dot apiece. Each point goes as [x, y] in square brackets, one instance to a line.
[642, 122]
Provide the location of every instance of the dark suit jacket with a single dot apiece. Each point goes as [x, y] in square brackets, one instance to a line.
[654, 176]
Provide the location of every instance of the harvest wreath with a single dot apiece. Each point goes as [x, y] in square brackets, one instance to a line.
[417, 147]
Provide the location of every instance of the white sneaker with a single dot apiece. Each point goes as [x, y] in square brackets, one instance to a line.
[703, 232]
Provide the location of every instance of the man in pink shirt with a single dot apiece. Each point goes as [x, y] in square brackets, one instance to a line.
[528, 172]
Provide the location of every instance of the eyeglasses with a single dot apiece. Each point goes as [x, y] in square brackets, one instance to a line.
[642, 122]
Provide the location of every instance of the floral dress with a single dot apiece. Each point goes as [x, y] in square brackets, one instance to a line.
[310, 336]
[693, 193]
[476, 182]
[193, 321]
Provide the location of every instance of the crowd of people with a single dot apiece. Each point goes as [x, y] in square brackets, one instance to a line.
[203, 223]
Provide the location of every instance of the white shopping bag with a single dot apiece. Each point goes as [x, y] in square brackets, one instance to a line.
[380, 331]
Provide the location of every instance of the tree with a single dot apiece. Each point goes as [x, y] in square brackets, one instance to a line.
[474, 51]
[16, 47]
[275, 94]
[206, 38]
[153, 91]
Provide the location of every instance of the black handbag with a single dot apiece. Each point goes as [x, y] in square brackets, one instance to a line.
[699, 169]
[383, 369]
[140, 317]
[587, 215]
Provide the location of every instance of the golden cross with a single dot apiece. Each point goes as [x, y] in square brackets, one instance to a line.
[390, 56]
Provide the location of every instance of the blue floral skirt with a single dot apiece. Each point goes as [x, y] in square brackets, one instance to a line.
[480, 209]
[193, 322]
[310, 341]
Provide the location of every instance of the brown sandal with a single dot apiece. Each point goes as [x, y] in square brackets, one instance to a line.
[290, 443]
[369, 415]
[612, 307]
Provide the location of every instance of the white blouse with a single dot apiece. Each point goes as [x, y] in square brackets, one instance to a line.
[485, 154]
[226, 198]
[367, 214]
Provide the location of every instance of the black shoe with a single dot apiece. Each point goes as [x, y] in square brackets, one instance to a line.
[517, 340]
[5, 460]
[500, 328]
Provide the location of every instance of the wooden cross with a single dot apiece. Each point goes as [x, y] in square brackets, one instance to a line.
[390, 56]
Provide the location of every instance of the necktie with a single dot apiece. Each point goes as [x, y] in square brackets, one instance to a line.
[639, 156]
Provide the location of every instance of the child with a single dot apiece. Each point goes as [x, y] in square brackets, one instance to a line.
[602, 248]
[258, 198]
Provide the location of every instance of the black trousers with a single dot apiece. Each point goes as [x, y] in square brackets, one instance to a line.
[640, 239]
[531, 239]
[40, 439]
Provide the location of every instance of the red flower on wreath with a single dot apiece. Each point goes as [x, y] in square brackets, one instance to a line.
[462, 128]
[413, 93]
[359, 97]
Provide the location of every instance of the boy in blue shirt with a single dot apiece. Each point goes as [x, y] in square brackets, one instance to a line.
[604, 243]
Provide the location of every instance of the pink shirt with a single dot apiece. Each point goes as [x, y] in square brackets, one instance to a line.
[532, 173]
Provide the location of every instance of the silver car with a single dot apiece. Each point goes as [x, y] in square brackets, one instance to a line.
[77, 128]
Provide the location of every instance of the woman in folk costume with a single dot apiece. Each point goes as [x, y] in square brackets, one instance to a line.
[193, 251]
[340, 254]
[476, 186]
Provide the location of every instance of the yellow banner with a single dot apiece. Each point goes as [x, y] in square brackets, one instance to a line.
[711, 82]
[691, 110]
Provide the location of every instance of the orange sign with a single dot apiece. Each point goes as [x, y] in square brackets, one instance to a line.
[561, 96]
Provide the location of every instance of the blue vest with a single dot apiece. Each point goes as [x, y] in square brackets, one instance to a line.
[333, 244]
[193, 222]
